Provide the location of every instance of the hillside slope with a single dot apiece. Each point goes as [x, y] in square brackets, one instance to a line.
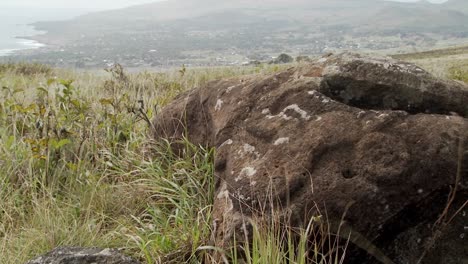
[446, 63]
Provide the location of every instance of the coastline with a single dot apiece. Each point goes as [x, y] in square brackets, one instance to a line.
[20, 30]
[24, 43]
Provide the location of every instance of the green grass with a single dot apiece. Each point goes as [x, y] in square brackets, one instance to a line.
[445, 63]
[459, 72]
[438, 53]
[78, 168]
[273, 243]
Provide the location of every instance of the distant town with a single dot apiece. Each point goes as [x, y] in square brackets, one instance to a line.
[242, 35]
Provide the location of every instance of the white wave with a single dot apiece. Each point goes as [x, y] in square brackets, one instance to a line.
[23, 44]
[30, 43]
[6, 52]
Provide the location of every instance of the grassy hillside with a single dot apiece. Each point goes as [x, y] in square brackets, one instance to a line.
[446, 63]
[438, 53]
[78, 168]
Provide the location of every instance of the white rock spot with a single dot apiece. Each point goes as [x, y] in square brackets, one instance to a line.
[219, 105]
[247, 171]
[284, 116]
[229, 89]
[106, 252]
[298, 110]
[223, 194]
[361, 114]
[249, 148]
[227, 142]
[281, 141]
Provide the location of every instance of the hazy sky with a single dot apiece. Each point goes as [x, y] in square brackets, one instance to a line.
[85, 4]
[94, 4]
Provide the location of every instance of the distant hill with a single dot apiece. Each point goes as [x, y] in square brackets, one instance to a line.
[214, 32]
[460, 5]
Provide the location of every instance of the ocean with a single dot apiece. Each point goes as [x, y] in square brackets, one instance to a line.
[15, 23]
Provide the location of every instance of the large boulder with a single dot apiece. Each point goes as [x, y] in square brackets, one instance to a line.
[374, 141]
[76, 255]
[384, 83]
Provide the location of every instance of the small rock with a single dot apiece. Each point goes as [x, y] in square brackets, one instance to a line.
[77, 255]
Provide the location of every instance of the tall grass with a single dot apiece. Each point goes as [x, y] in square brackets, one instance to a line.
[273, 242]
[459, 72]
[79, 169]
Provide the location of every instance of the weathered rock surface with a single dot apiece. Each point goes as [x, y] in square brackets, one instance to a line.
[384, 83]
[347, 131]
[75, 255]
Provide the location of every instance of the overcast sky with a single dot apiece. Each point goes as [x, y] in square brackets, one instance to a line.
[85, 4]
[94, 4]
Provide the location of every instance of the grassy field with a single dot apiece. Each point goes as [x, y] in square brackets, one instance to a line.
[77, 167]
[446, 63]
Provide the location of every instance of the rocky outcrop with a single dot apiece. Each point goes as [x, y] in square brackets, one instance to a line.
[75, 255]
[376, 138]
[384, 83]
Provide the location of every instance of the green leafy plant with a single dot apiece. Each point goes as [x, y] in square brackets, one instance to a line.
[77, 167]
